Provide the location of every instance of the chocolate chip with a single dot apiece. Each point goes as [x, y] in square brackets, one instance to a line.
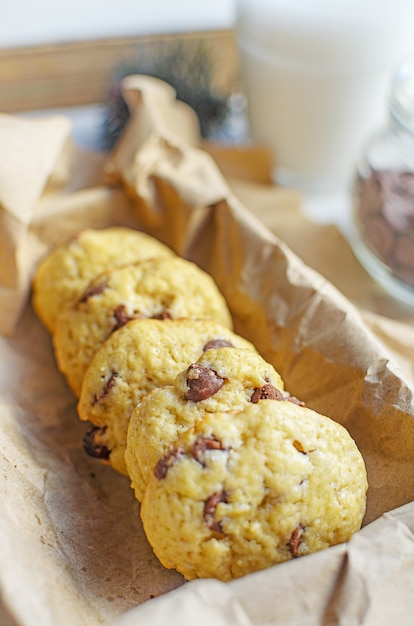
[385, 214]
[202, 383]
[165, 462]
[164, 315]
[215, 344]
[121, 316]
[380, 238]
[295, 400]
[93, 291]
[210, 506]
[93, 444]
[110, 383]
[202, 444]
[267, 392]
[299, 447]
[295, 539]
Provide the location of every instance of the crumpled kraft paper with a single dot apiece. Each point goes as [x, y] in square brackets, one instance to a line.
[367, 581]
[72, 549]
[28, 155]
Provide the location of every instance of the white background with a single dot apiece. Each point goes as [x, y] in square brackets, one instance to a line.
[33, 22]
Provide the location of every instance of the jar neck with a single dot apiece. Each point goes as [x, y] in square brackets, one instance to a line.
[401, 98]
[401, 120]
[402, 134]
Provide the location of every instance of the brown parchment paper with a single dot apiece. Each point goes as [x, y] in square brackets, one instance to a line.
[28, 155]
[72, 549]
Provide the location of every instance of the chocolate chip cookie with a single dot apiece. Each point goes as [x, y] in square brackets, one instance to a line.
[65, 272]
[141, 355]
[157, 288]
[239, 493]
[222, 379]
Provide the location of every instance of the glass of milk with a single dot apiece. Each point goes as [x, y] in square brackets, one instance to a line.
[315, 74]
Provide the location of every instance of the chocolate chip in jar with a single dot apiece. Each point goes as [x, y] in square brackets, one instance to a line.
[382, 231]
[386, 220]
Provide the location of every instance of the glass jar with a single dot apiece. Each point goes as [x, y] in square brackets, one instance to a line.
[383, 207]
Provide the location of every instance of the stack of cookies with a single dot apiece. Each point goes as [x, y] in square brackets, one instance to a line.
[232, 473]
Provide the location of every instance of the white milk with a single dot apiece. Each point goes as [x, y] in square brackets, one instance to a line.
[316, 74]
